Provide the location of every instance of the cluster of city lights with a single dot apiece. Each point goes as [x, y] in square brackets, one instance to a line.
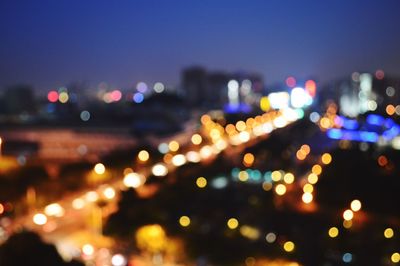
[219, 138]
[377, 128]
[278, 178]
[61, 95]
[211, 140]
[253, 127]
[281, 109]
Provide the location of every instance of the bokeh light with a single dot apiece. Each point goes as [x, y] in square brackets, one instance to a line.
[348, 215]
[289, 246]
[388, 233]
[355, 205]
[201, 182]
[280, 189]
[99, 169]
[184, 221]
[143, 156]
[326, 158]
[333, 232]
[40, 219]
[232, 223]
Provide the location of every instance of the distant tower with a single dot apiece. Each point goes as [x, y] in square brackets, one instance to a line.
[194, 82]
[357, 96]
[216, 89]
[233, 92]
[365, 95]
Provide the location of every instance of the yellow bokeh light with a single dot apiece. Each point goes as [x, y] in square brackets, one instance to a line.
[99, 169]
[249, 232]
[91, 196]
[128, 170]
[347, 224]
[395, 258]
[325, 123]
[348, 215]
[134, 180]
[250, 122]
[388, 233]
[201, 182]
[109, 193]
[178, 160]
[312, 178]
[308, 188]
[232, 223]
[54, 209]
[240, 125]
[265, 104]
[307, 198]
[193, 156]
[78, 203]
[267, 186]
[305, 148]
[280, 189]
[88, 249]
[221, 144]
[40, 219]
[184, 221]
[244, 136]
[230, 129]
[355, 205]
[243, 176]
[276, 176]
[250, 261]
[173, 146]
[248, 159]
[159, 170]
[301, 155]
[205, 119]
[333, 232]
[196, 139]
[151, 238]
[206, 152]
[326, 158]
[143, 155]
[214, 133]
[288, 178]
[288, 246]
[316, 169]
[63, 97]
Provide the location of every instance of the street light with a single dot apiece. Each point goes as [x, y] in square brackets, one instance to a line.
[1, 141]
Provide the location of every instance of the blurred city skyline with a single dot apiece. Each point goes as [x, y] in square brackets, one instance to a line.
[48, 44]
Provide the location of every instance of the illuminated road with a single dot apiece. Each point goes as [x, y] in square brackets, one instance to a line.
[62, 230]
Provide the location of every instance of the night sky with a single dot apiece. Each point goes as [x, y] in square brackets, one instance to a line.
[52, 43]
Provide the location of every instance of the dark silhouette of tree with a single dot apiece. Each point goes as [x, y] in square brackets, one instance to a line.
[19, 99]
[28, 249]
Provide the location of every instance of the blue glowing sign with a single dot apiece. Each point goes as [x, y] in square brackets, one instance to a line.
[384, 127]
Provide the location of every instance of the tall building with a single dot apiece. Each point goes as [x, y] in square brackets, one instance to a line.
[357, 96]
[194, 82]
[19, 99]
[216, 88]
[211, 89]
